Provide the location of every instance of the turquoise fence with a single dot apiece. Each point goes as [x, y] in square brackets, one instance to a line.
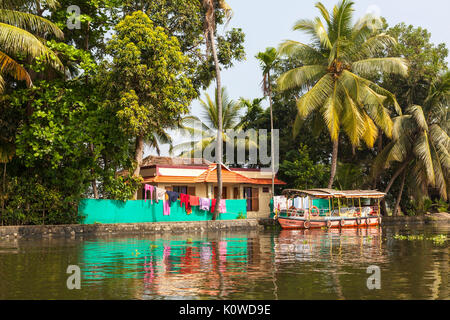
[134, 211]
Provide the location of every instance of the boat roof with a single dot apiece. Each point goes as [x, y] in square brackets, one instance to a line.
[330, 193]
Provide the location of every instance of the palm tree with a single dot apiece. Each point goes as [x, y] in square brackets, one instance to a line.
[254, 111]
[268, 59]
[207, 128]
[21, 34]
[421, 145]
[209, 28]
[334, 70]
[7, 151]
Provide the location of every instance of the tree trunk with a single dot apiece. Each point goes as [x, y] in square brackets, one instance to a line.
[272, 148]
[396, 174]
[399, 197]
[91, 145]
[383, 208]
[3, 194]
[138, 154]
[219, 129]
[333, 162]
[93, 182]
[380, 147]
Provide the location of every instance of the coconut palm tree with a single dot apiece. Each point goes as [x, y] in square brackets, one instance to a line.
[209, 28]
[421, 145]
[268, 59]
[334, 73]
[21, 35]
[207, 127]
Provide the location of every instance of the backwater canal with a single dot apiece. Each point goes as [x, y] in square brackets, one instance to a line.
[269, 264]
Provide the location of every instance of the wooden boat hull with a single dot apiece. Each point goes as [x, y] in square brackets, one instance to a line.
[302, 223]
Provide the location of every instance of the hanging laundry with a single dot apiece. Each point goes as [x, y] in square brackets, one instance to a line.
[297, 202]
[166, 208]
[213, 204]
[204, 204]
[279, 202]
[222, 206]
[194, 201]
[160, 194]
[184, 199]
[305, 203]
[150, 188]
[173, 196]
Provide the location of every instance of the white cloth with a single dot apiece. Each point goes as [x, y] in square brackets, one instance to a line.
[297, 202]
[305, 203]
[279, 203]
[160, 194]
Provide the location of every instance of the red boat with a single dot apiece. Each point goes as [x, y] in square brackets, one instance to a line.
[348, 216]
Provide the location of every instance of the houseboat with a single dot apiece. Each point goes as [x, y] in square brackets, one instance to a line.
[327, 208]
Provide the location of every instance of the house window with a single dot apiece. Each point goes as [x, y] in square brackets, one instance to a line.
[180, 189]
[266, 189]
[252, 196]
[224, 192]
[236, 193]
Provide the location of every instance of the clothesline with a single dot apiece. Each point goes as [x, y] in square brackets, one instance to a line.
[168, 197]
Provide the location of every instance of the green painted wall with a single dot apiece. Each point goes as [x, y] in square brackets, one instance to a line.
[134, 211]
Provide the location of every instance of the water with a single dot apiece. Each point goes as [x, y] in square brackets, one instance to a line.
[303, 264]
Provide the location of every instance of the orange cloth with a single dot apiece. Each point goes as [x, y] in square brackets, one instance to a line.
[194, 201]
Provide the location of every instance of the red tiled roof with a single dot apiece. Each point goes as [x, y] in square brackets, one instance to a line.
[228, 176]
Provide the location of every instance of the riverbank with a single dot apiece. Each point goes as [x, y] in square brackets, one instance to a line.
[442, 217]
[8, 232]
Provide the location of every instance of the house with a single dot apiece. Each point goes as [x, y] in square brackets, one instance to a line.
[195, 176]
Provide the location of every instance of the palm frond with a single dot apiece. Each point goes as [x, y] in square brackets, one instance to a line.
[316, 97]
[301, 77]
[11, 67]
[387, 66]
[30, 22]
[16, 41]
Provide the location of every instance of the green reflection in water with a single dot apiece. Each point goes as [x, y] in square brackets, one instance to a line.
[308, 264]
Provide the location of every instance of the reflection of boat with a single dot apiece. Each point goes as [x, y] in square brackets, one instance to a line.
[332, 214]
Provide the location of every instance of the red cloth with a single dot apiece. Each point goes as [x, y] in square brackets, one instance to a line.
[194, 201]
[213, 204]
[184, 198]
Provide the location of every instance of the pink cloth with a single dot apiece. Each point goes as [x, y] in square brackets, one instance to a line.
[150, 188]
[222, 206]
[166, 208]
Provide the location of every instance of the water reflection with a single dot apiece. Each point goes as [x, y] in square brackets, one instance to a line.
[287, 264]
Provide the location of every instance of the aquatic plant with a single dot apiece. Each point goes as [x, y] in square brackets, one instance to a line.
[437, 239]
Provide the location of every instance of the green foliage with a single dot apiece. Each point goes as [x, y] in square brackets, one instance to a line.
[437, 239]
[426, 61]
[121, 188]
[146, 80]
[350, 176]
[240, 216]
[31, 201]
[300, 172]
[442, 205]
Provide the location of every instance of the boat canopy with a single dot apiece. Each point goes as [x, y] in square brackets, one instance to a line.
[330, 193]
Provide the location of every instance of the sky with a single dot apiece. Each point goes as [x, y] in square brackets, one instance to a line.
[266, 23]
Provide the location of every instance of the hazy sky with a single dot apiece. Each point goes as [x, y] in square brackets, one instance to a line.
[266, 23]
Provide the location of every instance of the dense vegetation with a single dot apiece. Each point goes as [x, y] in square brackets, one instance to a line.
[78, 104]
